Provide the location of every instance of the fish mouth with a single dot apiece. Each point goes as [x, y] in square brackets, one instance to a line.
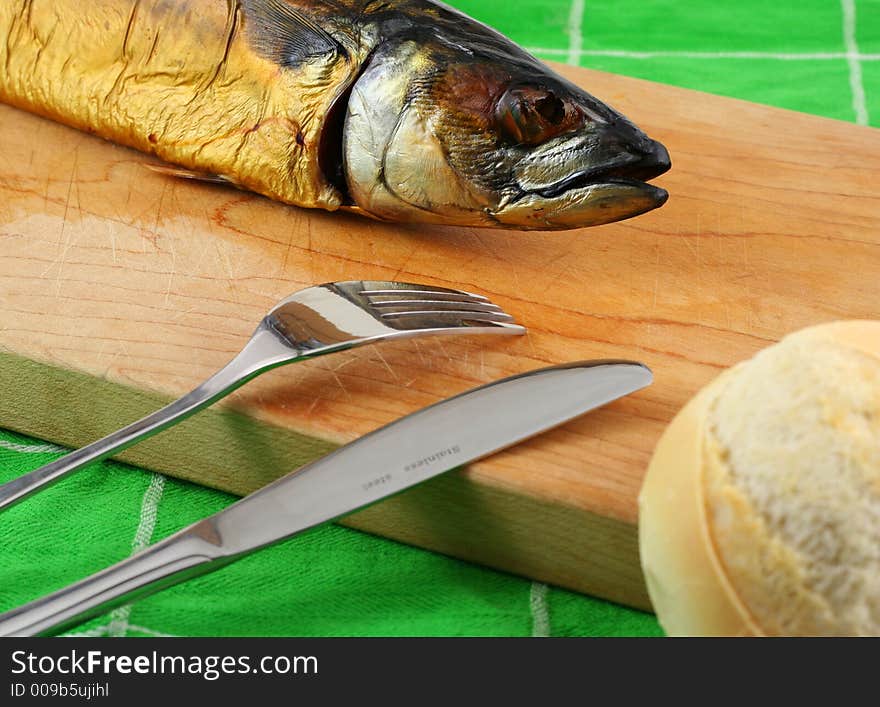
[613, 191]
[627, 172]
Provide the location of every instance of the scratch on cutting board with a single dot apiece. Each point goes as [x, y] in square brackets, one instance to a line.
[528, 338]
[568, 270]
[64, 234]
[691, 247]
[171, 272]
[562, 257]
[286, 257]
[312, 406]
[84, 387]
[287, 253]
[46, 194]
[419, 351]
[390, 370]
[748, 285]
[153, 235]
[488, 249]
[340, 384]
[656, 274]
[344, 362]
[170, 240]
[226, 261]
[112, 231]
[311, 255]
[76, 187]
[171, 225]
[443, 350]
[566, 248]
[406, 262]
[121, 350]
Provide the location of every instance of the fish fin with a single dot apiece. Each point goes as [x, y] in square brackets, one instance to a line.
[281, 33]
[182, 173]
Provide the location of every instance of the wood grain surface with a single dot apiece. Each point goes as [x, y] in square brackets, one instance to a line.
[121, 288]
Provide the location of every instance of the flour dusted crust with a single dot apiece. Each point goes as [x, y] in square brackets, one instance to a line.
[779, 463]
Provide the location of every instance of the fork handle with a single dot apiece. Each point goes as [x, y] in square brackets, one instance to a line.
[263, 351]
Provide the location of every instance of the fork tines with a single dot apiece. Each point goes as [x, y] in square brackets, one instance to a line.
[415, 302]
[428, 293]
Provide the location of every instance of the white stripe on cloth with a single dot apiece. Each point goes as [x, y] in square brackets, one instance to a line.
[778, 56]
[149, 507]
[103, 630]
[860, 106]
[90, 633]
[540, 610]
[30, 448]
[575, 31]
[150, 632]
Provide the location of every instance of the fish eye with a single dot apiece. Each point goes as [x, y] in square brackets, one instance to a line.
[550, 108]
[530, 116]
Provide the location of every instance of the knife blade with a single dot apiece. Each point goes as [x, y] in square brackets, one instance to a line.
[406, 452]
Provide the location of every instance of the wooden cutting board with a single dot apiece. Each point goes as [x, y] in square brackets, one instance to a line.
[121, 288]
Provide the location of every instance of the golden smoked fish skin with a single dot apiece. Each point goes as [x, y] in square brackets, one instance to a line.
[402, 110]
[178, 80]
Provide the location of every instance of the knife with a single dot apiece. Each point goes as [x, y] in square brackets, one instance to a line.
[404, 453]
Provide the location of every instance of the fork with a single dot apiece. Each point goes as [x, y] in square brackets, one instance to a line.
[312, 322]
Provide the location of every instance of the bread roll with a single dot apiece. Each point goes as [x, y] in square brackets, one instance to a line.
[760, 510]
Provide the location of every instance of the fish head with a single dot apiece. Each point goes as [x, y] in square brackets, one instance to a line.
[445, 133]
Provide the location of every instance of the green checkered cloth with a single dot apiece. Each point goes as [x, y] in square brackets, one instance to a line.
[818, 56]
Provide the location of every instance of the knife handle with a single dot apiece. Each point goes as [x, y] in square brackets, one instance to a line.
[179, 557]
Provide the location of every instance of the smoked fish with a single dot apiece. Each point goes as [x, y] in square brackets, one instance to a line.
[402, 110]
